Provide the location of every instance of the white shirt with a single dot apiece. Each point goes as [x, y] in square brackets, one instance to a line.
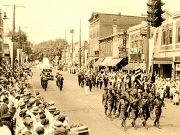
[5, 130]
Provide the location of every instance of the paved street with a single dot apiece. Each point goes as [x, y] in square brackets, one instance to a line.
[88, 110]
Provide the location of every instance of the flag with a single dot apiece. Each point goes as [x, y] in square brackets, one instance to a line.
[137, 76]
[137, 73]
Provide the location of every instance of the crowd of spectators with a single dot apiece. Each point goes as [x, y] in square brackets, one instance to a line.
[23, 112]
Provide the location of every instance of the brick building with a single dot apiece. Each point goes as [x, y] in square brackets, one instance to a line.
[102, 25]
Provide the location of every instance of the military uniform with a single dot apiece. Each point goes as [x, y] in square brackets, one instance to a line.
[123, 106]
[134, 105]
[104, 99]
[110, 102]
[158, 103]
[145, 109]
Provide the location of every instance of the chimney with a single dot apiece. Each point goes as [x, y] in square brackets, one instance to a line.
[119, 13]
[114, 29]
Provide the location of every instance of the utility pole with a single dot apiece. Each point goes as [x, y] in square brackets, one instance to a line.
[80, 45]
[13, 35]
[72, 32]
[147, 43]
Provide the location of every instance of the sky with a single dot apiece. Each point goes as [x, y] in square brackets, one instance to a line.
[45, 20]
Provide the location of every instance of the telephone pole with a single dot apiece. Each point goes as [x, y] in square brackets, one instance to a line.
[147, 43]
[80, 45]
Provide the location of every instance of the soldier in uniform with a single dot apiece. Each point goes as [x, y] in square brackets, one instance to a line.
[123, 106]
[45, 82]
[151, 96]
[79, 77]
[106, 80]
[110, 102]
[145, 109]
[134, 105]
[104, 99]
[90, 83]
[61, 79]
[100, 80]
[158, 103]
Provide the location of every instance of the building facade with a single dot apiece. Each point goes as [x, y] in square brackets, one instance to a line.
[165, 56]
[1, 37]
[102, 26]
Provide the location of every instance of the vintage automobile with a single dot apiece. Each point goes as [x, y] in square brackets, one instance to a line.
[48, 73]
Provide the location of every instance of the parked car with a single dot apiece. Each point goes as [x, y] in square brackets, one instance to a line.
[48, 73]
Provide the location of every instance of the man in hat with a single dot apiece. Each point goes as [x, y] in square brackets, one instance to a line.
[145, 109]
[4, 129]
[151, 97]
[134, 105]
[158, 103]
[104, 99]
[123, 106]
[110, 102]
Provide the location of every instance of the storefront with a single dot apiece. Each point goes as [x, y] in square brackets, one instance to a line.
[163, 66]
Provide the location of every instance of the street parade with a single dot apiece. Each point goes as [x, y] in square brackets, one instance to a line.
[89, 67]
[124, 98]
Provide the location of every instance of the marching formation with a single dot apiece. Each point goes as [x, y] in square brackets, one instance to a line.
[130, 95]
[133, 103]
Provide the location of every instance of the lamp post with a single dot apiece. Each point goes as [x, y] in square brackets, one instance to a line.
[72, 32]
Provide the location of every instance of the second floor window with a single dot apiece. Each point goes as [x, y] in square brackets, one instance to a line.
[178, 34]
[170, 37]
[164, 38]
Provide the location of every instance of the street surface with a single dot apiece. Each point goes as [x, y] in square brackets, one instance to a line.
[88, 110]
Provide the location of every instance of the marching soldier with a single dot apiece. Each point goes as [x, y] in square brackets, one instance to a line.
[61, 79]
[145, 109]
[100, 80]
[123, 106]
[158, 103]
[104, 99]
[110, 102]
[134, 104]
[90, 83]
[106, 80]
[45, 82]
[151, 97]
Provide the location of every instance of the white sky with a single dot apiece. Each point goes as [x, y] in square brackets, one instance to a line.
[44, 20]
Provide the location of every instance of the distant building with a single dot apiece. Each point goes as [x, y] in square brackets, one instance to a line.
[76, 54]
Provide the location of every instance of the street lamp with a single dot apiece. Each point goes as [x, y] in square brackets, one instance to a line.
[72, 32]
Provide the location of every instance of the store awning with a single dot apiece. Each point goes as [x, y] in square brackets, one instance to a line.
[162, 62]
[105, 61]
[96, 64]
[132, 66]
[89, 60]
[114, 62]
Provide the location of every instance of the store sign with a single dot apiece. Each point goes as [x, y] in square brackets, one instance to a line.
[177, 67]
[122, 54]
[136, 56]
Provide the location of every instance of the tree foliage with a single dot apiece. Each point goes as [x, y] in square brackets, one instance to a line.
[49, 49]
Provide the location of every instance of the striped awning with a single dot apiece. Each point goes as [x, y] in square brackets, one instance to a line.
[133, 66]
[89, 60]
[114, 62]
[96, 64]
[105, 61]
